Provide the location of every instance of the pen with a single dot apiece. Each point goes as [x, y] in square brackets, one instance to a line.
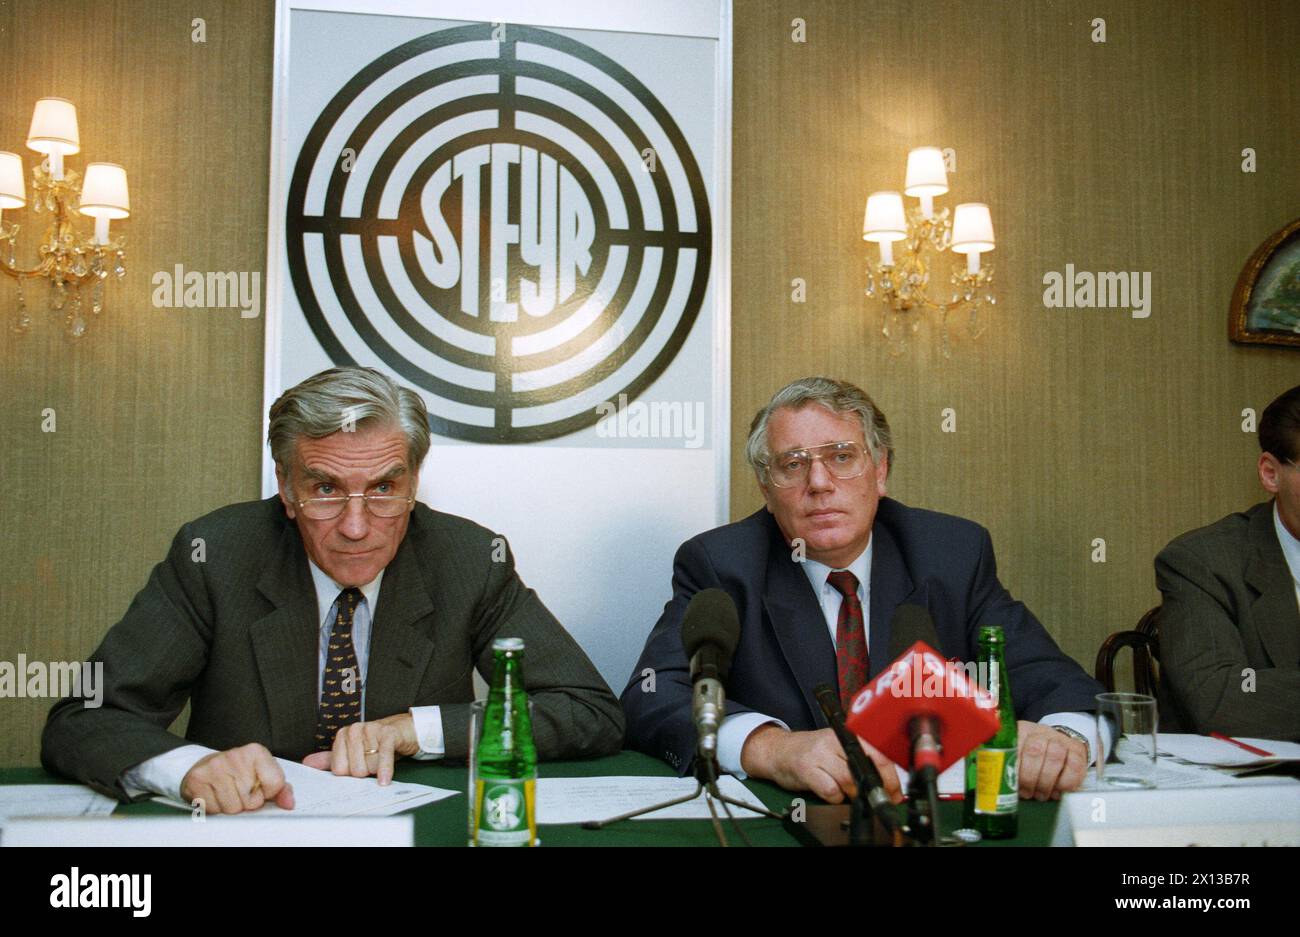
[1250, 748]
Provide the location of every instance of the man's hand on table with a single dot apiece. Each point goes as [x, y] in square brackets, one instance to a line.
[366, 748]
[1050, 762]
[810, 761]
[236, 780]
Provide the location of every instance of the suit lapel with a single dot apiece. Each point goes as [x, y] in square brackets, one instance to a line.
[1274, 611]
[286, 645]
[890, 587]
[797, 620]
[399, 654]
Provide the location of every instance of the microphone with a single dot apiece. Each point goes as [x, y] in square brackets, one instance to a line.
[913, 623]
[922, 711]
[861, 766]
[916, 705]
[710, 633]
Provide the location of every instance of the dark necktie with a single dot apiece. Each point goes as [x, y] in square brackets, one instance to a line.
[851, 660]
[340, 697]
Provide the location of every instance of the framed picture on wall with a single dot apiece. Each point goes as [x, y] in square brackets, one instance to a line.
[1265, 306]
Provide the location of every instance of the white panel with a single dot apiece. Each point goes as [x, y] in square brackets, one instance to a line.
[243, 830]
[600, 559]
[594, 521]
[667, 17]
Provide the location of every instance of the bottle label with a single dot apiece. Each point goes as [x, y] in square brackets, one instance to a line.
[504, 812]
[996, 780]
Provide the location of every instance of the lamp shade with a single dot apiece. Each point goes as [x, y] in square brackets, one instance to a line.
[103, 193]
[972, 228]
[885, 220]
[54, 127]
[926, 174]
[13, 190]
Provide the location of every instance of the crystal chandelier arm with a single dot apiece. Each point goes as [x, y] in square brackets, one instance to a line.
[20, 273]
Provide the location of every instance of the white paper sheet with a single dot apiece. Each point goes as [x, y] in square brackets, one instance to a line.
[1170, 772]
[322, 794]
[952, 780]
[1173, 774]
[1204, 750]
[52, 800]
[576, 800]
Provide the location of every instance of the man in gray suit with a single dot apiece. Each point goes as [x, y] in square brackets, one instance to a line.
[338, 624]
[1230, 622]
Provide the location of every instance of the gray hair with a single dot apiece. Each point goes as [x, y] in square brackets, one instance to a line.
[839, 397]
[346, 397]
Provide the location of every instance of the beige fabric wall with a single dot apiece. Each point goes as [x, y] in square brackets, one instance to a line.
[1071, 424]
[157, 411]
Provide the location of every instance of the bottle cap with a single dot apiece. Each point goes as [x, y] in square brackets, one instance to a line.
[515, 645]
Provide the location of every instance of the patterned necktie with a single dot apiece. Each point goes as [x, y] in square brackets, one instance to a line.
[340, 697]
[851, 660]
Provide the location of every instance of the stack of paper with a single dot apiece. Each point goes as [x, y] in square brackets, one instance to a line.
[322, 794]
[1205, 750]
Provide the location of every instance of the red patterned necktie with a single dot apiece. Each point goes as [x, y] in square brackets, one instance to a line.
[340, 696]
[851, 659]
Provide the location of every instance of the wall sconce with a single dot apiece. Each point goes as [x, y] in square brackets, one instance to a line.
[67, 258]
[902, 284]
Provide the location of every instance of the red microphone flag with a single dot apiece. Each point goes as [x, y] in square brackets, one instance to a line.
[921, 683]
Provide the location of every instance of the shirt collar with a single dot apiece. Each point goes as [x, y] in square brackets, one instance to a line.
[1290, 545]
[327, 590]
[818, 573]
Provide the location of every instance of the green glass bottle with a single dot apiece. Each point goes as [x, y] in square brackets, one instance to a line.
[505, 794]
[992, 774]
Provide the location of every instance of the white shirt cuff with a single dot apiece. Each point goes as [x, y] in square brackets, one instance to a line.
[732, 735]
[428, 732]
[1086, 725]
[163, 774]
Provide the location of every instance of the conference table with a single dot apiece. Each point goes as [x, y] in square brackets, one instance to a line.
[443, 823]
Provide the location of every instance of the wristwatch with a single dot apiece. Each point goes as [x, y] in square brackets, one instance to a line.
[1078, 736]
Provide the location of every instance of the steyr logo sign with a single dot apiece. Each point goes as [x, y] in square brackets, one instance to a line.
[505, 218]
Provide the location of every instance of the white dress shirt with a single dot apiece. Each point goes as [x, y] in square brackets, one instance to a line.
[1290, 550]
[164, 773]
[737, 728]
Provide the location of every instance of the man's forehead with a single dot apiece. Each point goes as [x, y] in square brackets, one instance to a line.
[328, 471]
[811, 425]
[354, 451]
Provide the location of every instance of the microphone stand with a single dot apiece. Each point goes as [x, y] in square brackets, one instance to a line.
[863, 819]
[706, 783]
[923, 808]
[923, 784]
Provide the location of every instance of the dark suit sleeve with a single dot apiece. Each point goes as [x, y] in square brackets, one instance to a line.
[1203, 660]
[575, 715]
[1043, 679]
[657, 699]
[150, 660]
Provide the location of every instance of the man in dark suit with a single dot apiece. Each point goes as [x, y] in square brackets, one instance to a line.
[1230, 620]
[338, 623]
[816, 578]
